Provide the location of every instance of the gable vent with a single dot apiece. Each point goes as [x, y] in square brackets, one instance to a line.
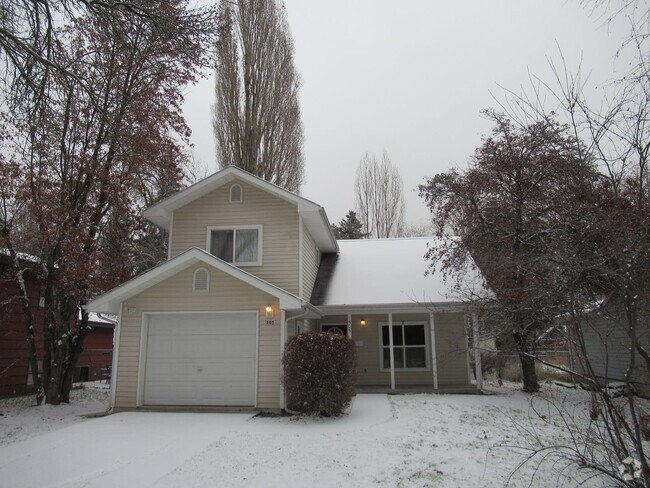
[236, 194]
[201, 280]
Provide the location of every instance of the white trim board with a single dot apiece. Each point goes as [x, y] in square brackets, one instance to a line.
[110, 302]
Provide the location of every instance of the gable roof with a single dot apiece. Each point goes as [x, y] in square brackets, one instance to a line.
[110, 302]
[313, 215]
[379, 272]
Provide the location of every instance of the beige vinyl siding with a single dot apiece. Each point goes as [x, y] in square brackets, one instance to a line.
[450, 351]
[309, 263]
[278, 218]
[175, 295]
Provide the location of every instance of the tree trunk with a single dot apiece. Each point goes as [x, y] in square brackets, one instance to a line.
[68, 348]
[31, 340]
[528, 374]
[29, 323]
[525, 346]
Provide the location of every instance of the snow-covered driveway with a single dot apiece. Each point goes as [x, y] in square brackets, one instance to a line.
[403, 440]
[155, 449]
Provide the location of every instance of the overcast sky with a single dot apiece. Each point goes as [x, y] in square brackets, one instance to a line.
[411, 77]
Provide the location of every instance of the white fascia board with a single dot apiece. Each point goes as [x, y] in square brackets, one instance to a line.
[162, 209]
[111, 301]
[394, 308]
[319, 228]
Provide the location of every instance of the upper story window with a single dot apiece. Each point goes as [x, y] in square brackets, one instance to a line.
[240, 245]
[236, 194]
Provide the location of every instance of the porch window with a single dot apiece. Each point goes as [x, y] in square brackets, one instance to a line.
[340, 329]
[409, 346]
[241, 245]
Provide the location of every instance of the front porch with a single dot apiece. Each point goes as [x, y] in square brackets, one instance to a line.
[409, 349]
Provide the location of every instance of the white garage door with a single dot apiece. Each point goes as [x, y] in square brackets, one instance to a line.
[201, 359]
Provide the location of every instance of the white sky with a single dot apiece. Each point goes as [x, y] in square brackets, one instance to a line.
[411, 77]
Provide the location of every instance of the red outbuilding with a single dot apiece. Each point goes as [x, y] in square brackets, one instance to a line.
[93, 364]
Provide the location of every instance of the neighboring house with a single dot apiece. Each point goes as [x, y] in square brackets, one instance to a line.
[607, 344]
[15, 377]
[95, 362]
[249, 265]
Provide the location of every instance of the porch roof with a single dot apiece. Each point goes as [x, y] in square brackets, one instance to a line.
[378, 272]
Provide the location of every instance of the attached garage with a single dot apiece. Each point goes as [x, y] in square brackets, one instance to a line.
[200, 359]
[177, 345]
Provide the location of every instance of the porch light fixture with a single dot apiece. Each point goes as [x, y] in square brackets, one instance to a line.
[270, 319]
[363, 322]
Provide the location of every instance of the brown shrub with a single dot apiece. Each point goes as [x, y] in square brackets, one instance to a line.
[319, 373]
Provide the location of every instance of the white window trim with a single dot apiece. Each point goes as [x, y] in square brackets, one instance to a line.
[236, 228]
[207, 289]
[426, 346]
[241, 193]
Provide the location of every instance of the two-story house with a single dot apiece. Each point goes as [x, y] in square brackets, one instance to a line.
[250, 264]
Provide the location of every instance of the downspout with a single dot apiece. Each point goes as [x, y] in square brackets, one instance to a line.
[392, 351]
[477, 352]
[283, 340]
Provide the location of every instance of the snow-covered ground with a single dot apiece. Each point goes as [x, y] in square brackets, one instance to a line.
[21, 419]
[418, 440]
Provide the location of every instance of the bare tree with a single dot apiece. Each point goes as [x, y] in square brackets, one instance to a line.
[380, 197]
[30, 40]
[418, 229]
[606, 261]
[257, 123]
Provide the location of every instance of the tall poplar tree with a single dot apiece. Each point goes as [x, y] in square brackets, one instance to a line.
[257, 123]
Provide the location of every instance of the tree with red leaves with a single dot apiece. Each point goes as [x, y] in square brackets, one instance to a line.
[109, 141]
[505, 213]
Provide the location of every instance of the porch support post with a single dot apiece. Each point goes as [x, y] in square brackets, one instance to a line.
[350, 326]
[434, 362]
[283, 340]
[477, 351]
[467, 325]
[392, 351]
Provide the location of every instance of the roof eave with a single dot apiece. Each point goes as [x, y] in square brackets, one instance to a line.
[419, 307]
[111, 301]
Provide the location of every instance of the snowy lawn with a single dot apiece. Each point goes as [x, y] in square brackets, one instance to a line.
[401, 440]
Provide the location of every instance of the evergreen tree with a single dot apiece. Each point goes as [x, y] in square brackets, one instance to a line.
[349, 228]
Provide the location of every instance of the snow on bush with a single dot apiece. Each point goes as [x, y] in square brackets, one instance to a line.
[319, 373]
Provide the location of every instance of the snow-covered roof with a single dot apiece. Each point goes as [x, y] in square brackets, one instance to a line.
[102, 320]
[377, 272]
